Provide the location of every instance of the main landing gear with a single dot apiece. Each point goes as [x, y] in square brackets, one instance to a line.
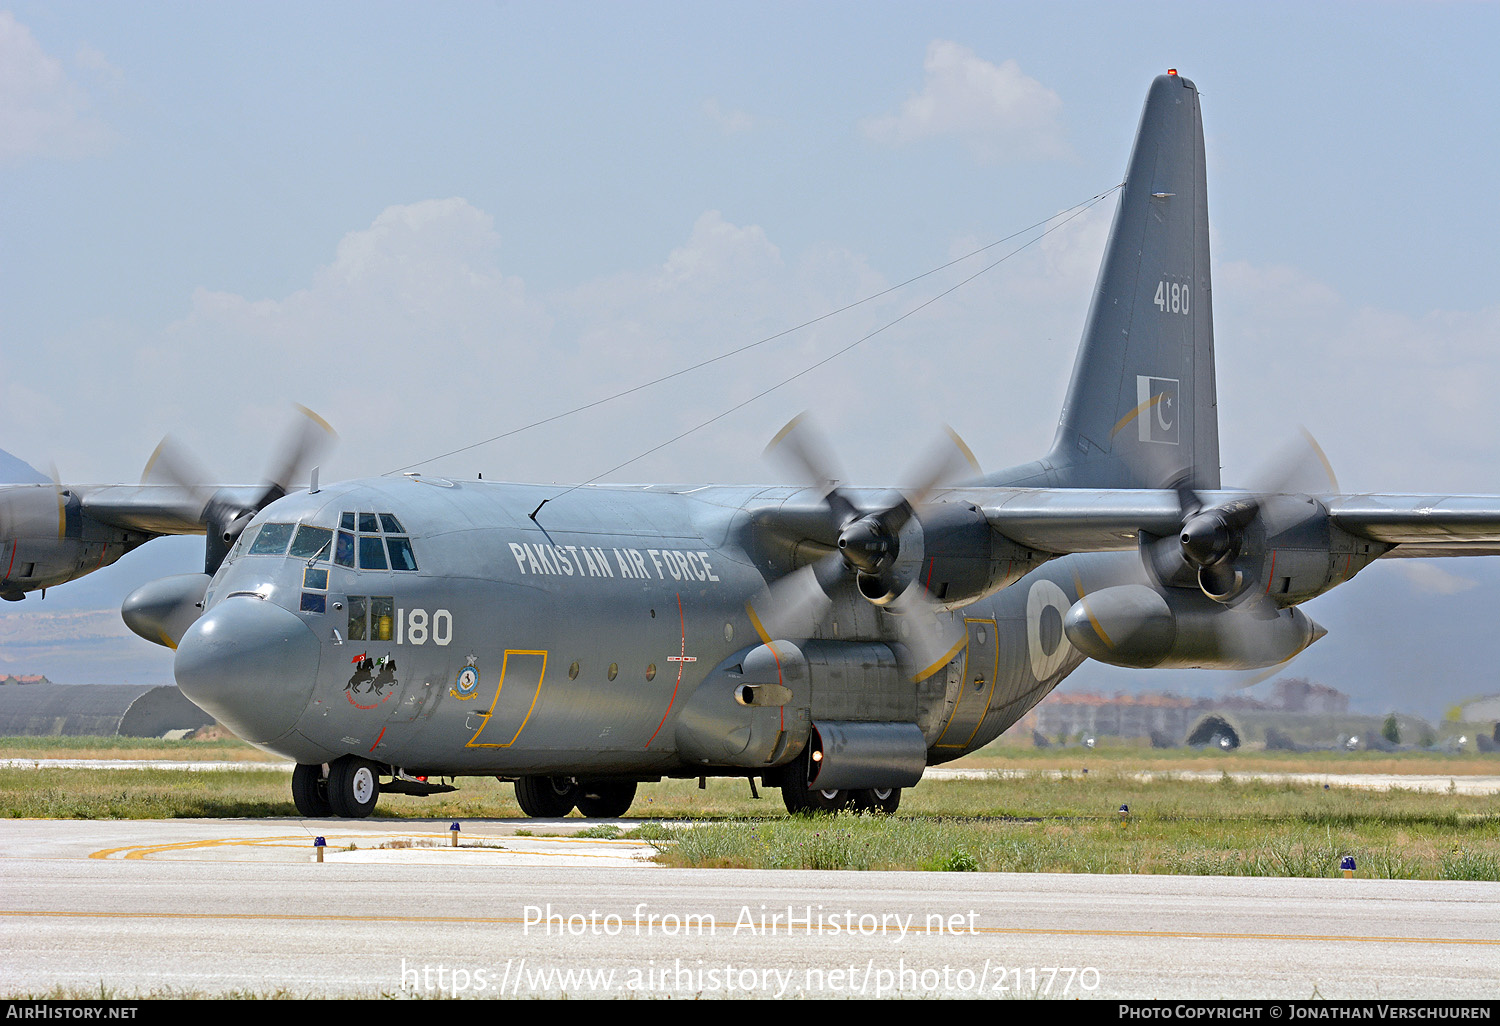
[555, 797]
[801, 798]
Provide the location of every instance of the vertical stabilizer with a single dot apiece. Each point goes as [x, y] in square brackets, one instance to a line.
[1141, 410]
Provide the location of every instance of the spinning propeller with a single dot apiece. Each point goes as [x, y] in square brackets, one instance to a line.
[878, 553]
[225, 512]
[1222, 547]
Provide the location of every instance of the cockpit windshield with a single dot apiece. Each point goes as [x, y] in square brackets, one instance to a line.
[365, 541]
[272, 540]
[311, 542]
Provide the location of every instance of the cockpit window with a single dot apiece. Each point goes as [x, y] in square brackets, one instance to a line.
[272, 539]
[371, 554]
[373, 549]
[401, 554]
[343, 552]
[311, 542]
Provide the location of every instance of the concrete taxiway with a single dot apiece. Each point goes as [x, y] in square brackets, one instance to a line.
[237, 906]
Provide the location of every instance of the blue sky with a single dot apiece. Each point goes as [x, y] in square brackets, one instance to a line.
[432, 223]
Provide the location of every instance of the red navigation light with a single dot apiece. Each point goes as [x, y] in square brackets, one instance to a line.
[1172, 71]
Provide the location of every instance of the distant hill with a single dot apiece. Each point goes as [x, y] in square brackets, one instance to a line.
[16, 471]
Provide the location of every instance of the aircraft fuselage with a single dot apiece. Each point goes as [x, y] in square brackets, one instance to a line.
[571, 643]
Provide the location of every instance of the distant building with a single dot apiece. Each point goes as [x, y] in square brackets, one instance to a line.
[1068, 715]
[26, 678]
[1298, 694]
[107, 710]
[1481, 710]
[1295, 705]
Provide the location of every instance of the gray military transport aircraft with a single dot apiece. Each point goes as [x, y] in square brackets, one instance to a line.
[393, 633]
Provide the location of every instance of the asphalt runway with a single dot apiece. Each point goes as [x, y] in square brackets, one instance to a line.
[215, 907]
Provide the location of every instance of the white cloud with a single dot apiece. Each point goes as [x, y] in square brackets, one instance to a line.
[1400, 402]
[730, 122]
[999, 112]
[1430, 579]
[42, 111]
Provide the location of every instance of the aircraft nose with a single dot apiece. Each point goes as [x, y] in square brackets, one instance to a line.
[250, 664]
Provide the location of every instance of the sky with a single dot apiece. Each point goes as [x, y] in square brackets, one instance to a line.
[436, 223]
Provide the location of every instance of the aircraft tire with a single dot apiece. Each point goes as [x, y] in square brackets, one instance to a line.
[310, 791]
[800, 799]
[606, 799]
[353, 787]
[882, 800]
[546, 797]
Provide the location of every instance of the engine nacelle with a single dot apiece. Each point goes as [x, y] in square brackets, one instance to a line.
[46, 539]
[963, 559]
[163, 610]
[1281, 547]
[1140, 627]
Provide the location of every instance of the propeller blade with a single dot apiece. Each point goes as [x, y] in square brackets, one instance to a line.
[172, 464]
[226, 512]
[947, 460]
[304, 443]
[800, 446]
[1297, 466]
[1213, 541]
[793, 606]
[931, 637]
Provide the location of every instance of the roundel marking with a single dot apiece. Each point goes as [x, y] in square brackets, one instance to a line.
[1045, 595]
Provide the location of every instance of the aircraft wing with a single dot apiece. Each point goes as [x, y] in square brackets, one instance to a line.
[1422, 525]
[149, 508]
[1063, 520]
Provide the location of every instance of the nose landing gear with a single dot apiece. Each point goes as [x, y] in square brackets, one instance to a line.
[347, 787]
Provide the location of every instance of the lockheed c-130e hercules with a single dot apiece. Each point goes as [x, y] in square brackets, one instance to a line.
[389, 634]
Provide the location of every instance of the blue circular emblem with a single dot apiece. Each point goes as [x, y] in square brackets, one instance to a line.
[468, 680]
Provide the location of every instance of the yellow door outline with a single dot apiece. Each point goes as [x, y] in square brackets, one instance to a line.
[474, 741]
[993, 671]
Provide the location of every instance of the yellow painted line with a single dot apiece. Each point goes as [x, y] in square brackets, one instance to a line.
[729, 924]
[1142, 408]
[474, 741]
[136, 851]
[765, 639]
[943, 660]
[336, 841]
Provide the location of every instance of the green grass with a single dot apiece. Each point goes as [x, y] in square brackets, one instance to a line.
[1415, 846]
[225, 749]
[1042, 820]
